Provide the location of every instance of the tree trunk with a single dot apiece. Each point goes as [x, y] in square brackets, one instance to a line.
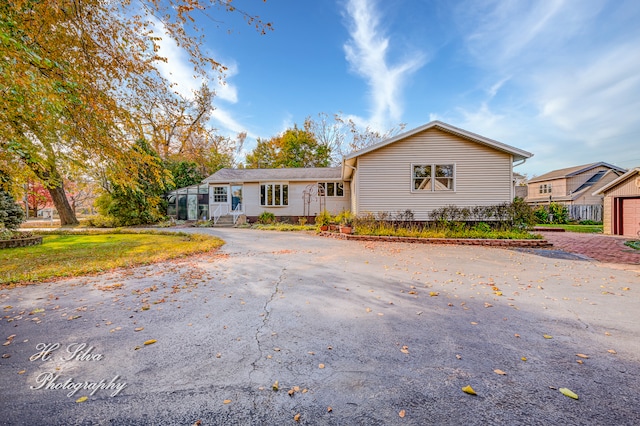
[59, 197]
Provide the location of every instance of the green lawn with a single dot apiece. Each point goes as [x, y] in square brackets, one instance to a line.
[73, 254]
[589, 229]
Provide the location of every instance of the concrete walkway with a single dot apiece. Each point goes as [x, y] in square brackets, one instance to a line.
[602, 248]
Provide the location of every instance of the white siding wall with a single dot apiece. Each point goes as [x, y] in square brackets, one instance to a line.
[251, 200]
[383, 180]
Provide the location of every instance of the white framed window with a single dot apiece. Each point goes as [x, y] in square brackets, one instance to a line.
[274, 194]
[331, 189]
[433, 177]
[219, 194]
[545, 189]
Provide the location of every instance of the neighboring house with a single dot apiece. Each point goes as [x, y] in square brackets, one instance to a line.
[429, 167]
[573, 187]
[622, 205]
[432, 166]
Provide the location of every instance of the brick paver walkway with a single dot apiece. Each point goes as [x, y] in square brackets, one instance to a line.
[604, 248]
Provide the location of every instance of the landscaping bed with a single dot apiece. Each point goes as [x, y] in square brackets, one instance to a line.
[494, 242]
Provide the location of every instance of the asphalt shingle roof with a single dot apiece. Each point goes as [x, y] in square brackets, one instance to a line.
[257, 175]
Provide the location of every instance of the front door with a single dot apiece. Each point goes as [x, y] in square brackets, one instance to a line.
[236, 198]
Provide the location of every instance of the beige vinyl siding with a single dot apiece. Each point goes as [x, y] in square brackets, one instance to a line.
[384, 176]
[251, 200]
[558, 189]
[627, 188]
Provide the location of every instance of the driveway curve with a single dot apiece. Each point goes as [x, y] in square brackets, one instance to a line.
[291, 328]
[602, 248]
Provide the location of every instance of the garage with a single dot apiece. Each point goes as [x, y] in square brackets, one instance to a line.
[631, 217]
[622, 205]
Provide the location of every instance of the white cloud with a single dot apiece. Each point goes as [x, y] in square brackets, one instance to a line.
[366, 52]
[574, 88]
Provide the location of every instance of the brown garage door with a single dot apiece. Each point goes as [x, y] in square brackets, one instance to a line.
[631, 217]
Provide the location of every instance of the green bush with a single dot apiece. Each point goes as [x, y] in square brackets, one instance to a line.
[323, 218]
[11, 214]
[558, 213]
[266, 218]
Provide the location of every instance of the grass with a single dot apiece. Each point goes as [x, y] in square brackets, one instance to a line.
[442, 232]
[68, 254]
[589, 229]
[633, 244]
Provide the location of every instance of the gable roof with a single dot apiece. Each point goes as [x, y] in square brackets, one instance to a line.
[616, 182]
[518, 154]
[284, 174]
[572, 171]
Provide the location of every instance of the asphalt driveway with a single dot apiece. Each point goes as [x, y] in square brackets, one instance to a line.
[352, 332]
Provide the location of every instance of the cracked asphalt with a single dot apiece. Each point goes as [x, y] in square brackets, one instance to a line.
[353, 332]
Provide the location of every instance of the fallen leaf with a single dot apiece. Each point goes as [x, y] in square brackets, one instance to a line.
[368, 309]
[405, 349]
[468, 389]
[218, 355]
[297, 417]
[567, 392]
[150, 342]
[138, 329]
[329, 409]
[458, 356]
[226, 401]
[500, 372]
[524, 358]
[433, 293]
[276, 349]
[82, 399]
[611, 351]
[582, 356]
[516, 335]
[402, 413]
[579, 361]
[321, 366]
[22, 371]
[474, 323]
[291, 392]
[488, 305]
[546, 336]
[275, 386]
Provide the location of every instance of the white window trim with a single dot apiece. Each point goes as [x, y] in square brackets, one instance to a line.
[433, 168]
[336, 183]
[282, 184]
[226, 194]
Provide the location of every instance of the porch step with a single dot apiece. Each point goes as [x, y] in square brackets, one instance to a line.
[225, 221]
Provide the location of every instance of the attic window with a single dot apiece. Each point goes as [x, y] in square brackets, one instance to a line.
[433, 177]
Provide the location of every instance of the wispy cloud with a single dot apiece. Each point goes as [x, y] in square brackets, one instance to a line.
[572, 75]
[367, 53]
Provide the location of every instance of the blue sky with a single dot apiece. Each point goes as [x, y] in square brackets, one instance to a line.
[558, 78]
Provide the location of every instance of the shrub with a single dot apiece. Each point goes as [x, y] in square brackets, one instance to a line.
[345, 218]
[323, 218]
[558, 213]
[482, 227]
[302, 221]
[11, 214]
[541, 215]
[266, 218]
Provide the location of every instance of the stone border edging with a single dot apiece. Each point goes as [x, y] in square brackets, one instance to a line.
[21, 242]
[458, 241]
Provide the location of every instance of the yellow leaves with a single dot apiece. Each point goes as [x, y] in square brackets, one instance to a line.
[582, 356]
[468, 389]
[569, 393]
[433, 293]
[524, 358]
[22, 371]
[500, 372]
[611, 351]
[226, 401]
[275, 387]
[297, 417]
[546, 336]
[150, 342]
[82, 399]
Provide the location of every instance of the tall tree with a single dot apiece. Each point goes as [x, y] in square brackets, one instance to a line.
[342, 135]
[76, 77]
[293, 148]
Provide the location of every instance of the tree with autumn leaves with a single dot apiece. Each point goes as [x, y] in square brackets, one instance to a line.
[79, 78]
